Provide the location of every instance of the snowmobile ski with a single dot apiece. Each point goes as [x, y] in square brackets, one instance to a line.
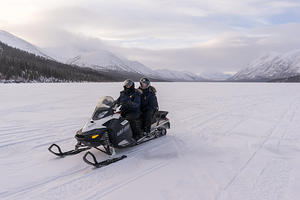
[104, 163]
[145, 139]
[153, 135]
[66, 153]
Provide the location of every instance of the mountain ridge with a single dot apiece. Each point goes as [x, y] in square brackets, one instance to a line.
[104, 61]
[19, 43]
[271, 66]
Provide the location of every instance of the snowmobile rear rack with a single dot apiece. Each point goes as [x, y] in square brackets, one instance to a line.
[66, 153]
[97, 164]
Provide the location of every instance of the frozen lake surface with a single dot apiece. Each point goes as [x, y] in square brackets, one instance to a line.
[228, 141]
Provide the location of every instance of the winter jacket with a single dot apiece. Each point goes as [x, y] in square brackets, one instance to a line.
[148, 99]
[130, 102]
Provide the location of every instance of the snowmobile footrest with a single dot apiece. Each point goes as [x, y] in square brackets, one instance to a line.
[97, 164]
[67, 153]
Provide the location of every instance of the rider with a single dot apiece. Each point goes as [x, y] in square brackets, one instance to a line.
[130, 101]
[149, 104]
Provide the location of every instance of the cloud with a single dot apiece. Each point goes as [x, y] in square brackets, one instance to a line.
[197, 35]
[229, 52]
[145, 21]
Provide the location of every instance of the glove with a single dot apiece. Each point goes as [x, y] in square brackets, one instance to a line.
[115, 103]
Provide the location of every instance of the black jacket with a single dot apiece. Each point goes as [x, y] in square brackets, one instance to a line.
[130, 102]
[148, 99]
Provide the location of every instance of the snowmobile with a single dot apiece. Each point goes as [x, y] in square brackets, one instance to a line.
[107, 130]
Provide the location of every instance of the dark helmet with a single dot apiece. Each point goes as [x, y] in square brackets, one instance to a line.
[144, 83]
[128, 85]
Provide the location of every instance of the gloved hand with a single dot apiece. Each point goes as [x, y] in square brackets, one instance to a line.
[115, 105]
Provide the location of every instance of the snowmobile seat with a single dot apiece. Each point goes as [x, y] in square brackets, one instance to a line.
[162, 114]
[158, 115]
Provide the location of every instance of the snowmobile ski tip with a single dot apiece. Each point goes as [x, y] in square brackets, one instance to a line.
[97, 164]
[66, 153]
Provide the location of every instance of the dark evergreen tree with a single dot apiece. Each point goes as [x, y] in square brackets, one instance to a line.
[19, 65]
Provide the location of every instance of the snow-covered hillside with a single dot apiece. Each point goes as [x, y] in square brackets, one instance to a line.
[271, 66]
[101, 60]
[13, 41]
[106, 61]
[217, 76]
[178, 75]
[226, 142]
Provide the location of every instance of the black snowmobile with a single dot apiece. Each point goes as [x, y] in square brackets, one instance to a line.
[107, 130]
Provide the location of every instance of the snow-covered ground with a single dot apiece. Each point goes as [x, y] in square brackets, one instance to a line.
[227, 141]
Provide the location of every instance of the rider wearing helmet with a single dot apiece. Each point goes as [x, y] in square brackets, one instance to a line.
[130, 101]
[149, 104]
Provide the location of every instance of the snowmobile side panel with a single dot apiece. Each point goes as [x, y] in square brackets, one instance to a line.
[119, 130]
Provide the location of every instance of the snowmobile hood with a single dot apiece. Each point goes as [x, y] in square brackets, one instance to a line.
[96, 124]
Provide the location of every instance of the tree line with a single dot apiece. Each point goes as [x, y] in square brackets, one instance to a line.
[16, 64]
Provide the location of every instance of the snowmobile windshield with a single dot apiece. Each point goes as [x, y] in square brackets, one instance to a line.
[103, 108]
[105, 102]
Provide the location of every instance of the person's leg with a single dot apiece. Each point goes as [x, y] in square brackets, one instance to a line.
[147, 119]
[131, 116]
[135, 124]
[143, 121]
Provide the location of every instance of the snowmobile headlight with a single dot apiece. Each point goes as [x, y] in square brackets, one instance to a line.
[95, 136]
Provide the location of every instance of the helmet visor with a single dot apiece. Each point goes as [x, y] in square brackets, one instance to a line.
[144, 83]
[127, 83]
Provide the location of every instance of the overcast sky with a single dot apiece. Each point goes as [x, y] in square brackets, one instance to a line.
[194, 35]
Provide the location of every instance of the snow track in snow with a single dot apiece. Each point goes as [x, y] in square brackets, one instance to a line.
[271, 191]
[226, 142]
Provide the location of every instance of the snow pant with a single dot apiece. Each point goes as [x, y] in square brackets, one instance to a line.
[147, 120]
[135, 123]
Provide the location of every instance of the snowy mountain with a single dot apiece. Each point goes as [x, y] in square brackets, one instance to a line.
[106, 61]
[103, 61]
[216, 76]
[16, 42]
[173, 75]
[271, 66]
[27, 67]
